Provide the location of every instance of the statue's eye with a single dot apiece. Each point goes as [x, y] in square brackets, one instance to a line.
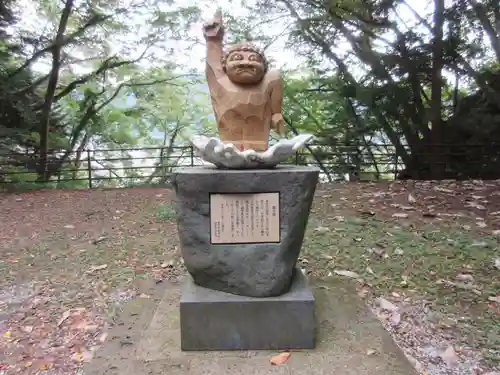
[254, 57]
[236, 57]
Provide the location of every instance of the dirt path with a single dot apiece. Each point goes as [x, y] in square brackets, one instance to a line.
[69, 258]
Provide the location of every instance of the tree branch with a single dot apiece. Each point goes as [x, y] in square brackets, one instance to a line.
[488, 27]
[106, 65]
[62, 41]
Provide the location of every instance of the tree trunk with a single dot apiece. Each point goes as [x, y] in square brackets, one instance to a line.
[78, 157]
[43, 170]
[437, 165]
[490, 30]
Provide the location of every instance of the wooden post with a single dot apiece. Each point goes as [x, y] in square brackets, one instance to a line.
[396, 161]
[89, 169]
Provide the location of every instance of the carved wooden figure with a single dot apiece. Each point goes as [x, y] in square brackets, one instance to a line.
[247, 97]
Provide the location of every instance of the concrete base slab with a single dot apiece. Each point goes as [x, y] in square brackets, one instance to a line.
[146, 340]
[214, 320]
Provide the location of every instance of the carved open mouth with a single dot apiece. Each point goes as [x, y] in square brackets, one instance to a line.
[246, 69]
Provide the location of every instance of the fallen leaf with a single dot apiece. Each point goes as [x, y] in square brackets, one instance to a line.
[395, 318]
[45, 366]
[346, 273]
[6, 334]
[462, 285]
[497, 263]
[103, 337]
[82, 356]
[27, 329]
[398, 251]
[363, 292]
[404, 281]
[371, 352]
[98, 268]
[465, 277]
[64, 316]
[321, 229]
[100, 239]
[280, 358]
[449, 356]
[376, 251]
[444, 190]
[481, 224]
[480, 244]
[475, 205]
[411, 199]
[386, 305]
[407, 208]
[494, 299]
[168, 264]
[85, 325]
[400, 215]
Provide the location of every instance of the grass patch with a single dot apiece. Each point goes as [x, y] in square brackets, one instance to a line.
[418, 259]
[165, 212]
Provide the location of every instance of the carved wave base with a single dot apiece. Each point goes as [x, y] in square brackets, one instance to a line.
[227, 156]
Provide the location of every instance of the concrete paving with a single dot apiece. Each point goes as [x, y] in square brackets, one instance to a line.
[146, 340]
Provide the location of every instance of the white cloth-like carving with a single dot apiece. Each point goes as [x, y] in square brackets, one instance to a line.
[228, 156]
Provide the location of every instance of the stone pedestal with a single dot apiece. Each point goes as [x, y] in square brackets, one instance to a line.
[214, 320]
[254, 253]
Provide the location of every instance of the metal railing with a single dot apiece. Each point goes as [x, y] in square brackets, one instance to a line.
[153, 165]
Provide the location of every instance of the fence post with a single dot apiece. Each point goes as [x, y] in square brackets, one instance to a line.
[192, 155]
[396, 161]
[89, 169]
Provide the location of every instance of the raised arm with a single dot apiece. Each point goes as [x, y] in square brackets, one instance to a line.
[214, 33]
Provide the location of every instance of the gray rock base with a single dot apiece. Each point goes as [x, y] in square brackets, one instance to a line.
[214, 320]
[251, 269]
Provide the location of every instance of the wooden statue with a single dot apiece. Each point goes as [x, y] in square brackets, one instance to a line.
[247, 97]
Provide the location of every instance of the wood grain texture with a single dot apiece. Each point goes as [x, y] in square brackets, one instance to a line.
[247, 97]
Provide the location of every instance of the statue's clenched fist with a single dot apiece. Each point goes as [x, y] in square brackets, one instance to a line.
[214, 29]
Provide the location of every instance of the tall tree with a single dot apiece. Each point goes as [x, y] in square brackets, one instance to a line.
[437, 86]
[394, 69]
[91, 66]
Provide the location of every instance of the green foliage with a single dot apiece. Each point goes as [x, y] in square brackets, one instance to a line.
[95, 102]
[165, 212]
[372, 75]
[368, 81]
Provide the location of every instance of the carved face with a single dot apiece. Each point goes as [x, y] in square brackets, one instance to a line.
[245, 66]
